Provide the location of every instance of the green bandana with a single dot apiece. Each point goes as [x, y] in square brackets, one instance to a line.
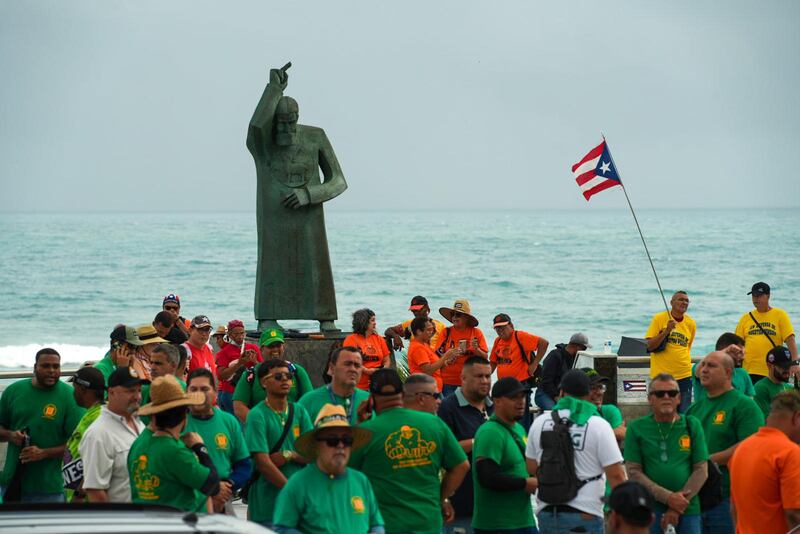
[579, 410]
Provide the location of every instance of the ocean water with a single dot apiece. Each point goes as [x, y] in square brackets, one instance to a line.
[67, 279]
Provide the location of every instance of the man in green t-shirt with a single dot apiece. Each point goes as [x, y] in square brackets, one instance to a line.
[727, 416]
[249, 391]
[598, 384]
[89, 390]
[37, 416]
[272, 427]
[168, 468]
[344, 368]
[403, 460]
[327, 496]
[502, 486]
[222, 434]
[779, 367]
[666, 452]
[733, 346]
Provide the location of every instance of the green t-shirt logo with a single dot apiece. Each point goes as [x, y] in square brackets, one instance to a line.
[49, 411]
[719, 417]
[222, 441]
[407, 448]
[145, 482]
[358, 504]
[685, 443]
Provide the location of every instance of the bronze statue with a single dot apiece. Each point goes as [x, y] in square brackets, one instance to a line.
[294, 278]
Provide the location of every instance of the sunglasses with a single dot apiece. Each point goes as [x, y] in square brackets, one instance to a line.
[171, 308]
[334, 441]
[280, 376]
[663, 393]
[205, 329]
[436, 395]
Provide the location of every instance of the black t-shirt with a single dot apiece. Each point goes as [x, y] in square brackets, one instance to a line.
[176, 336]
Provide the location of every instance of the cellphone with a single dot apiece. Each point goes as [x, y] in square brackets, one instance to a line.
[462, 346]
[116, 345]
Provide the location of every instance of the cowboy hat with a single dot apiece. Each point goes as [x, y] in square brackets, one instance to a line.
[166, 393]
[461, 306]
[330, 416]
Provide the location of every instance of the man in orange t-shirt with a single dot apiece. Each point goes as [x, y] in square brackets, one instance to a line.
[459, 342]
[374, 350]
[421, 357]
[765, 472]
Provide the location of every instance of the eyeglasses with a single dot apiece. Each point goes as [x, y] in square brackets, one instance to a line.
[280, 376]
[599, 387]
[334, 441]
[663, 393]
[205, 329]
[457, 314]
[436, 395]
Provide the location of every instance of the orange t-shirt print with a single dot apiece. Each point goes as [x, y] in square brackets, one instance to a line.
[373, 349]
[451, 374]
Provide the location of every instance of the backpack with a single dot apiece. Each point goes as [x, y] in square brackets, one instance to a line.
[558, 481]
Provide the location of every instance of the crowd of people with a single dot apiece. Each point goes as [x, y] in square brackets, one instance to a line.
[166, 417]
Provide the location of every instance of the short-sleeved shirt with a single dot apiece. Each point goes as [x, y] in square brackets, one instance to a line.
[438, 325]
[373, 351]
[249, 391]
[314, 503]
[263, 429]
[595, 449]
[756, 345]
[765, 391]
[451, 337]
[223, 437]
[668, 467]
[228, 354]
[164, 471]
[726, 420]
[51, 415]
[104, 450]
[420, 354]
[741, 381]
[314, 400]
[402, 461]
[464, 419]
[675, 359]
[501, 510]
[89, 416]
[508, 358]
[200, 357]
[611, 413]
[765, 481]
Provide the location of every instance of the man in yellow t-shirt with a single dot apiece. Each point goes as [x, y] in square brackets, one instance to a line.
[679, 330]
[774, 321]
[419, 307]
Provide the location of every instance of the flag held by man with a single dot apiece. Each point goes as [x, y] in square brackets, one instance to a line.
[596, 171]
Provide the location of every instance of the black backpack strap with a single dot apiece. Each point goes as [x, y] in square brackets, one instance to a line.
[521, 348]
[761, 328]
[559, 421]
[289, 418]
[441, 350]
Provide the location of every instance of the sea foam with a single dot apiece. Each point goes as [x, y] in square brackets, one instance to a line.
[23, 356]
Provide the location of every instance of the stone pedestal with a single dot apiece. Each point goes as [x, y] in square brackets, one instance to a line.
[311, 352]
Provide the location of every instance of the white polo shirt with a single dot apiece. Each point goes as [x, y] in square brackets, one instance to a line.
[595, 449]
[104, 450]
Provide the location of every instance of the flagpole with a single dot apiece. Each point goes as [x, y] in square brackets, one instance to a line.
[621, 183]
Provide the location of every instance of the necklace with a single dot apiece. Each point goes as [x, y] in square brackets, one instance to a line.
[663, 446]
[282, 414]
[348, 402]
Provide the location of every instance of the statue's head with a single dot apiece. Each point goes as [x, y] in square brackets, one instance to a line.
[286, 121]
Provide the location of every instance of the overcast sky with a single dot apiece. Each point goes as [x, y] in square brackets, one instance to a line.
[144, 105]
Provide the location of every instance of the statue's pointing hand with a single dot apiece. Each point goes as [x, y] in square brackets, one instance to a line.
[279, 77]
[297, 199]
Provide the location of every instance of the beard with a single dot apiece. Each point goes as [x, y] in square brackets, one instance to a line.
[285, 139]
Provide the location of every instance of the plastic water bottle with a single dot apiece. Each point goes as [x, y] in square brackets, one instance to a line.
[607, 346]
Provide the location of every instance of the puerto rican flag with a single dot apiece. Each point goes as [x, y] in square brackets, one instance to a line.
[596, 172]
[634, 385]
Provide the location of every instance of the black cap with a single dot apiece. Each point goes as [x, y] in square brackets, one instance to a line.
[780, 356]
[508, 387]
[125, 377]
[383, 378]
[759, 288]
[501, 319]
[594, 376]
[200, 321]
[633, 502]
[575, 383]
[90, 378]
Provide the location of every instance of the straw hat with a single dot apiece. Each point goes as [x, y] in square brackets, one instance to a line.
[220, 331]
[330, 416]
[147, 334]
[461, 306]
[166, 393]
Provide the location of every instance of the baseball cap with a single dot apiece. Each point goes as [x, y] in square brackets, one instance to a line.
[90, 378]
[780, 356]
[501, 319]
[575, 383]
[125, 377]
[235, 323]
[172, 297]
[580, 339]
[759, 288]
[633, 502]
[508, 387]
[594, 376]
[417, 303]
[126, 334]
[270, 337]
[200, 321]
[383, 378]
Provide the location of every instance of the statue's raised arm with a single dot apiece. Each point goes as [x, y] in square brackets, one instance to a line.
[261, 124]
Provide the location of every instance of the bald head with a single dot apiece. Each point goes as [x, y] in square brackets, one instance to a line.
[716, 373]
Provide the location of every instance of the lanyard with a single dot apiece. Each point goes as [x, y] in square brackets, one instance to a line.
[348, 403]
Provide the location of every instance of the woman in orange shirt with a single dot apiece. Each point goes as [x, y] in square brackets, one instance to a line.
[374, 350]
[464, 339]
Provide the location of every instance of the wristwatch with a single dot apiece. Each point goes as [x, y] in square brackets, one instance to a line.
[287, 455]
